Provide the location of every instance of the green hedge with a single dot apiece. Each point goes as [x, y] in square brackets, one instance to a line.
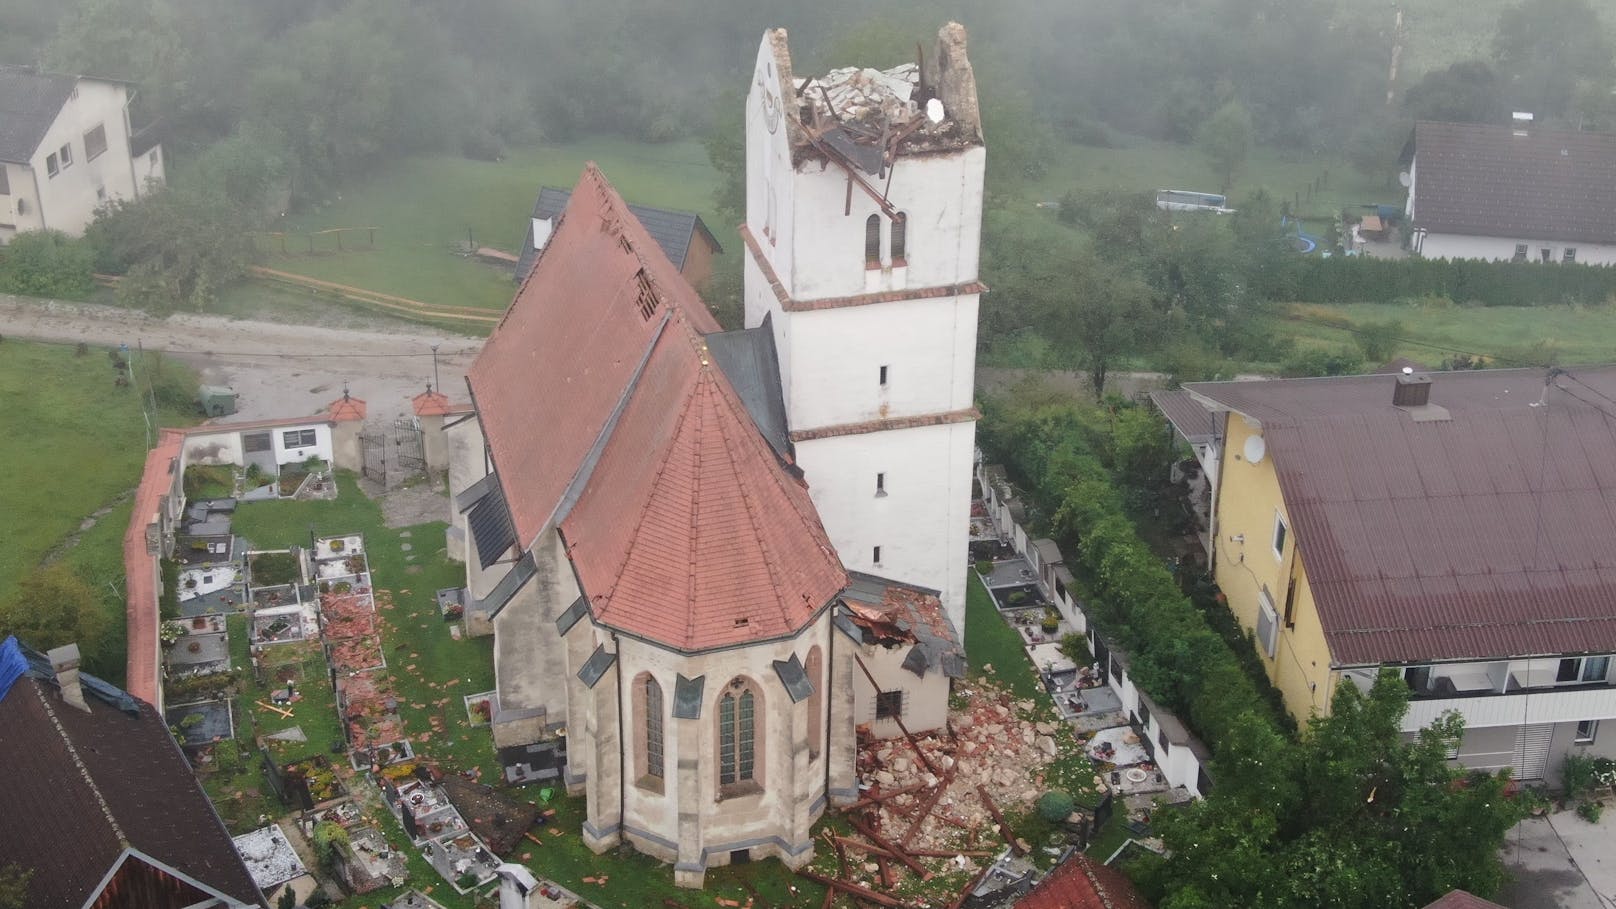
[1361, 279]
[1173, 653]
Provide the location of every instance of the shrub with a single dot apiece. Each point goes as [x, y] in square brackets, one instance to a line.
[1362, 279]
[1579, 775]
[1075, 647]
[984, 567]
[1590, 811]
[1016, 598]
[47, 263]
[1051, 621]
[1055, 806]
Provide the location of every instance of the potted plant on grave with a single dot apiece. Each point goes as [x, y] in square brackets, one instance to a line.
[338, 545]
[1051, 621]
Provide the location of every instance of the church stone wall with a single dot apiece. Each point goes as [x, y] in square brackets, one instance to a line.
[468, 463]
[530, 658]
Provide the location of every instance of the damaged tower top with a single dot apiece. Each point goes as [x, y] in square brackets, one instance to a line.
[871, 116]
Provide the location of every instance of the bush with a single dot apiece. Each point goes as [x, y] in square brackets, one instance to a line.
[47, 263]
[1579, 775]
[984, 567]
[1361, 279]
[1075, 647]
[1051, 621]
[1590, 811]
[1055, 806]
[1322, 362]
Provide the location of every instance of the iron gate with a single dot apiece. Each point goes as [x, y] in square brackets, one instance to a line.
[408, 451]
[373, 456]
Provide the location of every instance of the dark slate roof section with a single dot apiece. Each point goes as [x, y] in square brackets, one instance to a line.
[687, 697]
[916, 661]
[1192, 420]
[596, 666]
[474, 493]
[79, 787]
[1481, 537]
[1483, 180]
[491, 527]
[845, 625]
[575, 612]
[673, 230]
[918, 611]
[794, 679]
[748, 359]
[514, 580]
[29, 103]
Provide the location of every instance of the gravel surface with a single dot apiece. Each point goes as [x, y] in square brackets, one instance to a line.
[277, 369]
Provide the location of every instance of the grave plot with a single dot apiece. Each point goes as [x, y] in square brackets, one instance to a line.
[312, 781]
[347, 615]
[195, 647]
[269, 857]
[369, 710]
[282, 624]
[201, 723]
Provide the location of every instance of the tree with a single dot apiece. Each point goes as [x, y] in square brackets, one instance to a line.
[1546, 49]
[1225, 139]
[1351, 816]
[1466, 92]
[53, 606]
[14, 886]
[1097, 311]
[47, 263]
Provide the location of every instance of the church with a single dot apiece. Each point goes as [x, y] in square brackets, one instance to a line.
[712, 560]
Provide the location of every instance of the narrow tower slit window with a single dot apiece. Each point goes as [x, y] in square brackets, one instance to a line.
[900, 238]
[881, 484]
[872, 241]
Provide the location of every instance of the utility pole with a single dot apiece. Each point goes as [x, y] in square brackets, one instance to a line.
[123, 348]
[436, 386]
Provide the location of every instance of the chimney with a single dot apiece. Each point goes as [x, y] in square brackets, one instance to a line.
[1411, 390]
[65, 661]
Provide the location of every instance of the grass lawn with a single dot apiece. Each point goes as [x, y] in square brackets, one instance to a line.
[1578, 335]
[990, 642]
[425, 208]
[72, 444]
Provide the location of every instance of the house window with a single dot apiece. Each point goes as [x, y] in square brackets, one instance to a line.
[95, 143]
[297, 438]
[1280, 533]
[152, 158]
[1520, 252]
[649, 695]
[1267, 624]
[1418, 678]
[65, 153]
[814, 666]
[737, 734]
[1546, 254]
[1290, 604]
[1587, 731]
[875, 555]
[1144, 717]
[1583, 670]
[900, 238]
[888, 705]
[51, 167]
[872, 241]
[880, 484]
[1570, 256]
[883, 377]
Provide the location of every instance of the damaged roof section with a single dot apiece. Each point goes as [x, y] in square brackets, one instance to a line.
[889, 614]
[869, 117]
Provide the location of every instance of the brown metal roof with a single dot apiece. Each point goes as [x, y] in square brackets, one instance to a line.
[1485, 535]
[1479, 179]
[1189, 416]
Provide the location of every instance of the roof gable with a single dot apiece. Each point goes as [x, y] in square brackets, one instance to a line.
[1482, 536]
[1527, 184]
[29, 103]
[672, 229]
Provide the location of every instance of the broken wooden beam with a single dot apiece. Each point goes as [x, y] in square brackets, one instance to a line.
[852, 889]
[998, 818]
[871, 848]
[927, 806]
[950, 853]
[913, 743]
[285, 714]
[882, 796]
[885, 868]
[896, 852]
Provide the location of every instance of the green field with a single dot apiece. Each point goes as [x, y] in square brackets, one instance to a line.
[426, 209]
[1574, 335]
[74, 443]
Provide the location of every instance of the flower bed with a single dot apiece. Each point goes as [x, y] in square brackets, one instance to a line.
[315, 778]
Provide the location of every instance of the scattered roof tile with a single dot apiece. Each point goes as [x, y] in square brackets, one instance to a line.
[1080, 882]
[1501, 181]
[1461, 899]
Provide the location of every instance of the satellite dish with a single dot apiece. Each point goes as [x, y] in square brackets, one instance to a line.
[1406, 179]
[934, 110]
[1255, 449]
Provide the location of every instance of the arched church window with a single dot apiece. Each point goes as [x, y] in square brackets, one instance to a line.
[738, 744]
[872, 241]
[900, 238]
[814, 667]
[649, 726]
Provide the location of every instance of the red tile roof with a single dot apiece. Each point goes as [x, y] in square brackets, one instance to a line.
[604, 412]
[1482, 534]
[140, 568]
[1083, 883]
[347, 408]
[1460, 899]
[431, 403]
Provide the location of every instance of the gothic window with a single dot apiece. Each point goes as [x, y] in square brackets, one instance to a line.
[738, 709]
[872, 241]
[814, 666]
[900, 238]
[648, 730]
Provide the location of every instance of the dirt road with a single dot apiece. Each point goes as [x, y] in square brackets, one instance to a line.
[277, 369]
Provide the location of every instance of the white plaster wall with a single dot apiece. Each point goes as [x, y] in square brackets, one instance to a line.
[922, 524]
[321, 447]
[542, 228]
[148, 167]
[942, 197]
[1457, 246]
[468, 463]
[925, 698]
[531, 665]
[928, 347]
[69, 199]
[768, 170]
[20, 179]
[213, 448]
[792, 781]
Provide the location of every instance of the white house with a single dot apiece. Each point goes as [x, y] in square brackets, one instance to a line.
[1512, 193]
[66, 147]
[862, 257]
[654, 510]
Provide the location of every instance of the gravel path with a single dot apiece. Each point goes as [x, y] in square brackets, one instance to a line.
[277, 369]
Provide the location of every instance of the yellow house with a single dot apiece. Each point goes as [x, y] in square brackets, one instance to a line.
[1457, 527]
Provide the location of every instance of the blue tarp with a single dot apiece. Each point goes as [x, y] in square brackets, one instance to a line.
[12, 664]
